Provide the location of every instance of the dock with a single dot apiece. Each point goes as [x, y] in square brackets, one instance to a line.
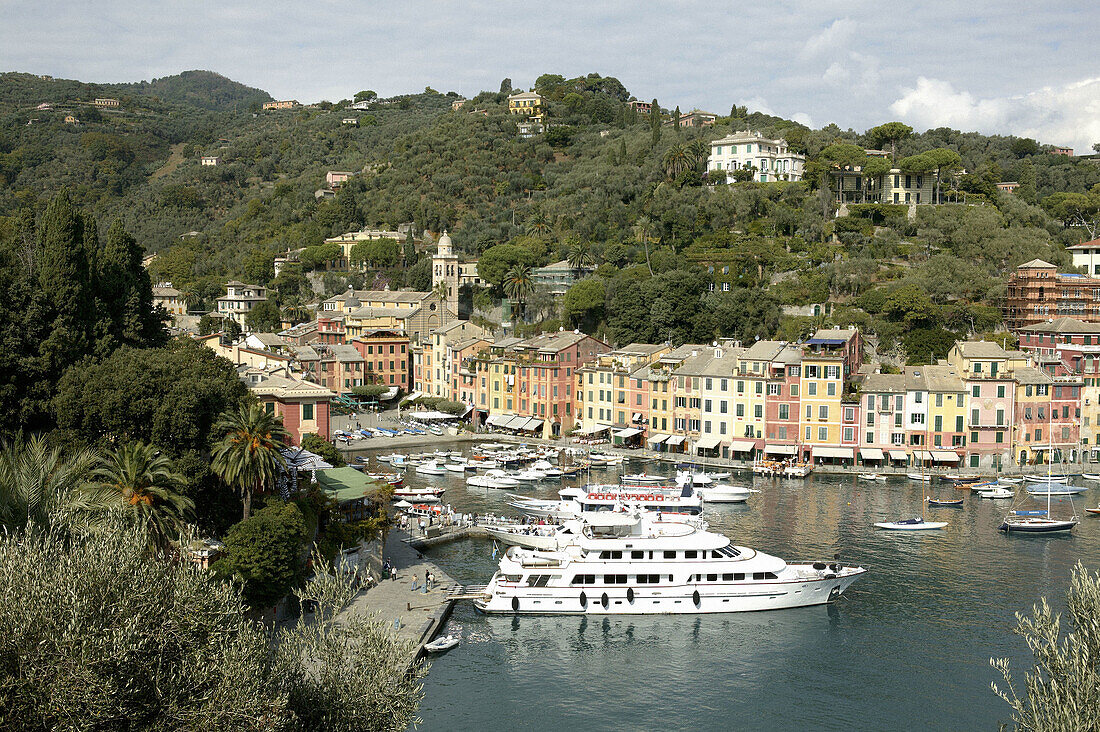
[415, 615]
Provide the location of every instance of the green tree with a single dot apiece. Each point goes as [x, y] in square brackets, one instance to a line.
[1062, 690]
[246, 456]
[39, 481]
[138, 481]
[583, 303]
[264, 553]
[264, 317]
[365, 96]
[497, 261]
[320, 446]
[1024, 146]
[580, 258]
[890, 132]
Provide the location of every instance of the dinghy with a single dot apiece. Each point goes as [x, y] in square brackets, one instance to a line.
[945, 502]
[439, 645]
[913, 524]
[871, 476]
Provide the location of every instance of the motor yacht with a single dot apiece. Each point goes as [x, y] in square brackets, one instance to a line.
[622, 564]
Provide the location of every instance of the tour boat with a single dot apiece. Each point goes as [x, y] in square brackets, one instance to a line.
[913, 524]
[723, 493]
[419, 494]
[575, 502]
[430, 468]
[439, 645]
[643, 479]
[624, 564]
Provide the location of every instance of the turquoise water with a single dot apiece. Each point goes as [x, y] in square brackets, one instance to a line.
[908, 646]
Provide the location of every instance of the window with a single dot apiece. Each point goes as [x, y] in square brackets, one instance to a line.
[918, 397]
[830, 388]
[939, 400]
[307, 411]
[739, 409]
[849, 434]
[811, 389]
[784, 411]
[823, 412]
[870, 419]
[1000, 391]
[822, 434]
[775, 389]
[670, 555]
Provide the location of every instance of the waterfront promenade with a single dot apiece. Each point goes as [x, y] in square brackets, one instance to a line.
[416, 615]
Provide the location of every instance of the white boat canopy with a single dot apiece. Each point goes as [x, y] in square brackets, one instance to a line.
[657, 439]
[708, 443]
[628, 432]
[742, 446]
[945, 456]
[871, 453]
[898, 455]
[833, 452]
[780, 449]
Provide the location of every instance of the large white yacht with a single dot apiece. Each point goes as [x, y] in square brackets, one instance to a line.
[631, 564]
[581, 501]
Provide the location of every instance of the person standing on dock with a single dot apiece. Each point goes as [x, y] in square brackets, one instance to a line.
[393, 573]
[415, 578]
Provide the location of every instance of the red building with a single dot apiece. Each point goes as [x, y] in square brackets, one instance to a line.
[302, 405]
[1037, 292]
[330, 328]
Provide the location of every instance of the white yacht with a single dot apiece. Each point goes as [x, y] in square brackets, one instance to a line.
[631, 564]
[574, 502]
[725, 493]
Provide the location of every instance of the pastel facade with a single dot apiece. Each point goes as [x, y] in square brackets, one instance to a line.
[302, 405]
[772, 158]
[239, 300]
[387, 357]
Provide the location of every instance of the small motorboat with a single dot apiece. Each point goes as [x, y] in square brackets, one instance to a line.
[455, 467]
[996, 493]
[913, 524]
[1093, 511]
[428, 495]
[1091, 476]
[439, 645]
[918, 476]
[1010, 481]
[529, 475]
[945, 502]
[430, 468]
[501, 478]
[871, 476]
[643, 479]
[722, 493]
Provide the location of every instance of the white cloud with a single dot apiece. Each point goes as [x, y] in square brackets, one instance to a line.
[1061, 115]
[829, 40]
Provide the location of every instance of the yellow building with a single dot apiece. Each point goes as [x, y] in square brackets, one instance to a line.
[822, 386]
[529, 104]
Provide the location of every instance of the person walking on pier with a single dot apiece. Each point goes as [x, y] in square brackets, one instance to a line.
[415, 578]
[393, 573]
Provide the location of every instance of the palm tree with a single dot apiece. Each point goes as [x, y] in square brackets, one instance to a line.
[676, 160]
[137, 479]
[39, 482]
[580, 257]
[539, 225]
[296, 313]
[247, 456]
[518, 284]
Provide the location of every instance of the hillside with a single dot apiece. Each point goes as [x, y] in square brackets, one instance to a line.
[603, 181]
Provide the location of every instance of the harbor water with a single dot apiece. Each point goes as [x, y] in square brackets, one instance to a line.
[908, 646]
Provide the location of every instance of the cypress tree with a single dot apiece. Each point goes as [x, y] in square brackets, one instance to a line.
[677, 119]
[655, 121]
[62, 278]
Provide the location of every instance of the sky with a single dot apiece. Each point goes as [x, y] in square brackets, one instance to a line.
[1029, 69]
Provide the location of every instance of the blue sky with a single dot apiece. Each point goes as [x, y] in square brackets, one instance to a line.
[1013, 68]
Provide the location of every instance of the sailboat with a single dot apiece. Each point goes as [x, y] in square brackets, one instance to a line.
[1039, 522]
[917, 523]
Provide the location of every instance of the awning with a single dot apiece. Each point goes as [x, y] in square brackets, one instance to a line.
[637, 416]
[499, 420]
[899, 455]
[945, 457]
[628, 432]
[595, 429]
[833, 452]
[871, 453]
[675, 440]
[922, 455]
[413, 397]
[780, 449]
[533, 424]
[742, 446]
[658, 439]
[516, 423]
[708, 443]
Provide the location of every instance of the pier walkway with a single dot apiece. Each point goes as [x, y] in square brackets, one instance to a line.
[416, 615]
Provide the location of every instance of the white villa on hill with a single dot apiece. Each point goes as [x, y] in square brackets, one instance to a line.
[772, 159]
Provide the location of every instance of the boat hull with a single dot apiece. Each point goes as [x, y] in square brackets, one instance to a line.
[923, 526]
[668, 600]
[1037, 527]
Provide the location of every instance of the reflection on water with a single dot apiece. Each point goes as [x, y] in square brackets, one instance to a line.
[906, 646]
